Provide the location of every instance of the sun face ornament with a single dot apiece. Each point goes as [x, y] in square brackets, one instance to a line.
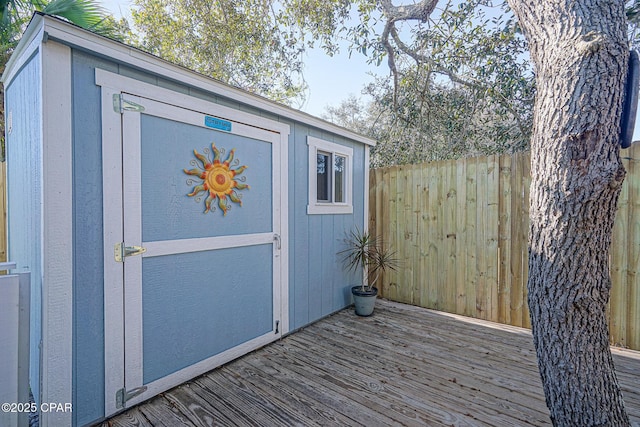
[217, 179]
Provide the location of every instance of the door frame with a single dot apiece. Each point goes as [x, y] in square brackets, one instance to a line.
[114, 292]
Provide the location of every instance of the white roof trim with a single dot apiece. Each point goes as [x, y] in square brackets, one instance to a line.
[62, 31]
[29, 43]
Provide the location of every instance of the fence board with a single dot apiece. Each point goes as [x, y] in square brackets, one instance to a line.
[516, 261]
[617, 309]
[393, 228]
[481, 240]
[406, 231]
[383, 202]
[492, 220]
[418, 190]
[433, 242]
[461, 236]
[519, 259]
[461, 229]
[504, 243]
[425, 241]
[449, 215]
[471, 267]
[524, 234]
[633, 246]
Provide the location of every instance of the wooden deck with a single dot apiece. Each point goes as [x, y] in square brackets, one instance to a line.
[422, 368]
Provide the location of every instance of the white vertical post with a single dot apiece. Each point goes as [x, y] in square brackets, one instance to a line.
[57, 234]
[14, 348]
[23, 344]
[9, 333]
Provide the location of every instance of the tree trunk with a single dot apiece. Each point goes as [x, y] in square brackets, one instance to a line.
[580, 54]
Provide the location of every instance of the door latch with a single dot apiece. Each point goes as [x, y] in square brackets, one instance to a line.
[276, 238]
[120, 251]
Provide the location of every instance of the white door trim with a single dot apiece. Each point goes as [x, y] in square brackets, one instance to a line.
[112, 221]
[243, 124]
[146, 90]
[170, 247]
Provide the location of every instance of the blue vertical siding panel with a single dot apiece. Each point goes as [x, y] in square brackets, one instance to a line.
[315, 233]
[340, 291]
[88, 287]
[328, 263]
[315, 268]
[299, 226]
[24, 194]
[319, 285]
[359, 184]
[317, 240]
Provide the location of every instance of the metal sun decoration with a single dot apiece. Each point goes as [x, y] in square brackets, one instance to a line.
[218, 178]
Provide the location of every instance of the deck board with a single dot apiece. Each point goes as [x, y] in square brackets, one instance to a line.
[422, 368]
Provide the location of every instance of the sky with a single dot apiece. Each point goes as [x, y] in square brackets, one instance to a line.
[330, 79]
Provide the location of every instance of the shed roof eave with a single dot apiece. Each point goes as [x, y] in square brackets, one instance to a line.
[33, 32]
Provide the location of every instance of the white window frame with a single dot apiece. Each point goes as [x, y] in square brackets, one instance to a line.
[315, 206]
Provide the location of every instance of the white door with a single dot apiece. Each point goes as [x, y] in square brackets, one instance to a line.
[201, 249]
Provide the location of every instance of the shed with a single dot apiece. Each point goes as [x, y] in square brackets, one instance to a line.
[171, 223]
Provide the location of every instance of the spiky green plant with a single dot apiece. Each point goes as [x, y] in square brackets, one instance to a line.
[367, 253]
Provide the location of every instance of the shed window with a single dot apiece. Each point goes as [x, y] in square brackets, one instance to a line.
[330, 177]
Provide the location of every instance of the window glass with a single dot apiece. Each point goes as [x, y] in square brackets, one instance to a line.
[339, 178]
[323, 175]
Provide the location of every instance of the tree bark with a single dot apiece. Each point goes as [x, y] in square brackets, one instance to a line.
[580, 54]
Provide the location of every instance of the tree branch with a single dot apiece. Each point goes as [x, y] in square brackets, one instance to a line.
[391, 61]
[422, 59]
[420, 11]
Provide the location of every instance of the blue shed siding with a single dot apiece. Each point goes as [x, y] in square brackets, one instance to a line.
[318, 286]
[24, 194]
[88, 283]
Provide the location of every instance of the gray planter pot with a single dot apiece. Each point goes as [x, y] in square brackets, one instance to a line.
[364, 301]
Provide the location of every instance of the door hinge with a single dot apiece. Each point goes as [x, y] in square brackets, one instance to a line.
[122, 395]
[120, 251]
[277, 325]
[120, 104]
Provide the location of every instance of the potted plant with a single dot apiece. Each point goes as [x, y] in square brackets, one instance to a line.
[366, 253]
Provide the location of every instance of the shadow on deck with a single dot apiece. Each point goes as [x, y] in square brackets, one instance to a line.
[402, 366]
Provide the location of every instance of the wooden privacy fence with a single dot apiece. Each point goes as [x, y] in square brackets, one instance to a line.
[460, 229]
